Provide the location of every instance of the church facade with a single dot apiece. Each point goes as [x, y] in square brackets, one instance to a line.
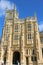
[21, 43]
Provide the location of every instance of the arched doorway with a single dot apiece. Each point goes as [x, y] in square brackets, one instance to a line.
[16, 57]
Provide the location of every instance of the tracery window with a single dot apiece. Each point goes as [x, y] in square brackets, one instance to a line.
[42, 52]
[33, 52]
[33, 58]
[29, 36]
[41, 39]
[7, 28]
[29, 27]
[15, 37]
[16, 28]
[27, 51]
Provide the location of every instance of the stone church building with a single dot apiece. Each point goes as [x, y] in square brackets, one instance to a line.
[21, 42]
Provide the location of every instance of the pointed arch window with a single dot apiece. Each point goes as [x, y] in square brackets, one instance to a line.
[16, 28]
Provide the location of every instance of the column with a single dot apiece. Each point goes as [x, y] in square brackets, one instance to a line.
[2, 55]
[8, 56]
[24, 59]
[11, 57]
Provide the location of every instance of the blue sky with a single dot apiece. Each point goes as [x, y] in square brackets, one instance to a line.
[25, 8]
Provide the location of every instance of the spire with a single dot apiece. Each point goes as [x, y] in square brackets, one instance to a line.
[35, 16]
[15, 12]
[15, 7]
[6, 8]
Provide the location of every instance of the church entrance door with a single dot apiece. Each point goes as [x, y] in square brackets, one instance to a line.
[16, 57]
